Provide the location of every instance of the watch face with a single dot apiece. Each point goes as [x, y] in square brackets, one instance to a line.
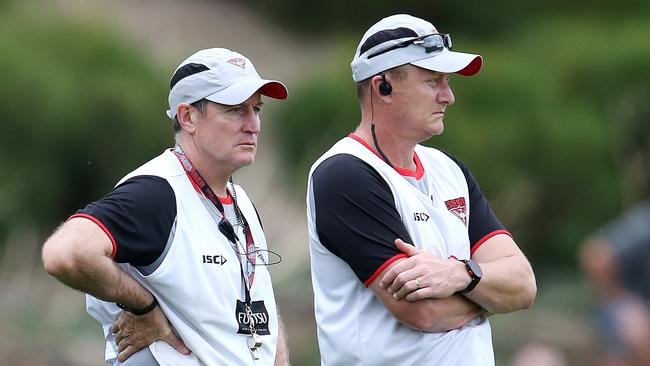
[474, 267]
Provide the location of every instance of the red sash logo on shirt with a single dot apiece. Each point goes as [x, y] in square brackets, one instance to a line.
[458, 207]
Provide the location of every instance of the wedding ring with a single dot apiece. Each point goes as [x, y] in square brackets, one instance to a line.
[417, 283]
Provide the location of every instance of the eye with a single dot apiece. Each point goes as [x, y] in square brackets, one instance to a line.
[257, 109]
[439, 79]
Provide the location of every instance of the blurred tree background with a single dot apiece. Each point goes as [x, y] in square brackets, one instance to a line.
[80, 107]
[555, 127]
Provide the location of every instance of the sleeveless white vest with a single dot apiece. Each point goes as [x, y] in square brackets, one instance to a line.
[198, 298]
[354, 327]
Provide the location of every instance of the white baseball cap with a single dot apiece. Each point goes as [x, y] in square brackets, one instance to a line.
[404, 39]
[219, 75]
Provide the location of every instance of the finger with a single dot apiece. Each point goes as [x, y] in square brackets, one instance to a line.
[402, 278]
[406, 289]
[419, 294]
[124, 344]
[126, 353]
[177, 344]
[118, 337]
[399, 267]
[116, 326]
[408, 249]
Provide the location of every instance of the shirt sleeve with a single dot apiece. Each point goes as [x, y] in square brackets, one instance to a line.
[139, 215]
[355, 215]
[483, 223]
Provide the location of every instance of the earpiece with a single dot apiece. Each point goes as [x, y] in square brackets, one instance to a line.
[385, 88]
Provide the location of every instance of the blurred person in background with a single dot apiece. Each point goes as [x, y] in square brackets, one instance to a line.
[535, 353]
[616, 259]
[378, 299]
[174, 259]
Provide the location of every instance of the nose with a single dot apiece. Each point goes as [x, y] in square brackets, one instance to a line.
[252, 122]
[445, 94]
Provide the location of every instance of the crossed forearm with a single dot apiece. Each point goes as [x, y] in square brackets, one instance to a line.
[429, 315]
[508, 284]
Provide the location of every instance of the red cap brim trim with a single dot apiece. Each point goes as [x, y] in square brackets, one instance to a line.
[473, 67]
[275, 90]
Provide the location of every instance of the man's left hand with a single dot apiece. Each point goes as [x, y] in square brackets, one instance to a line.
[423, 275]
[133, 333]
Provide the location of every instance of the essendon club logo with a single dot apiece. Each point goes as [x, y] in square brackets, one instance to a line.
[239, 62]
[458, 207]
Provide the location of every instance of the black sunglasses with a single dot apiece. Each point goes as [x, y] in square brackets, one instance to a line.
[431, 42]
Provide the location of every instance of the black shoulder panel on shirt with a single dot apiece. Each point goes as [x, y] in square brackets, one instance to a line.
[355, 214]
[482, 220]
[139, 213]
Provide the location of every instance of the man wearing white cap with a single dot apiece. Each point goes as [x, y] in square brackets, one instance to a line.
[378, 299]
[174, 258]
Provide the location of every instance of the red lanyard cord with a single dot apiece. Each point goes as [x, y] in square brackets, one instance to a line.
[224, 225]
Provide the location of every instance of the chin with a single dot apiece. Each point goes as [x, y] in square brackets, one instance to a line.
[246, 160]
[438, 128]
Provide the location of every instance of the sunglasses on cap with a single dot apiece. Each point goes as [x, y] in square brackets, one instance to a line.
[431, 42]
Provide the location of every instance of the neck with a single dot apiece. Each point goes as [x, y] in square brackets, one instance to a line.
[216, 176]
[398, 151]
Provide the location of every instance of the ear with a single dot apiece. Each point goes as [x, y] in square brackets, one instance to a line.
[185, 118]
[374, 85]
[375, 88]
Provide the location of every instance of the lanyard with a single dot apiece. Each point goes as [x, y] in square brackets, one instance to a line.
[229, 231]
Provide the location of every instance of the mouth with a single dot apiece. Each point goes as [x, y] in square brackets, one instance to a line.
[248, 144]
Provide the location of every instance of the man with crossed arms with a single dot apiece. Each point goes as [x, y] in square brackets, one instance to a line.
[378, 299]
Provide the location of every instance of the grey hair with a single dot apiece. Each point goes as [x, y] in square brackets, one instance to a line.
[201, 105]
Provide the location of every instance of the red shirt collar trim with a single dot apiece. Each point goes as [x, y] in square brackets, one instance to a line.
[225, 200]
[417, 173]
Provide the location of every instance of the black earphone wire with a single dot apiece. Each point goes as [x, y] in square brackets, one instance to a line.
[240, 221]
[372, 125]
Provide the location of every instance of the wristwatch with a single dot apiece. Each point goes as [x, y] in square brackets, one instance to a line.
[144, 311]
[474, 271]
